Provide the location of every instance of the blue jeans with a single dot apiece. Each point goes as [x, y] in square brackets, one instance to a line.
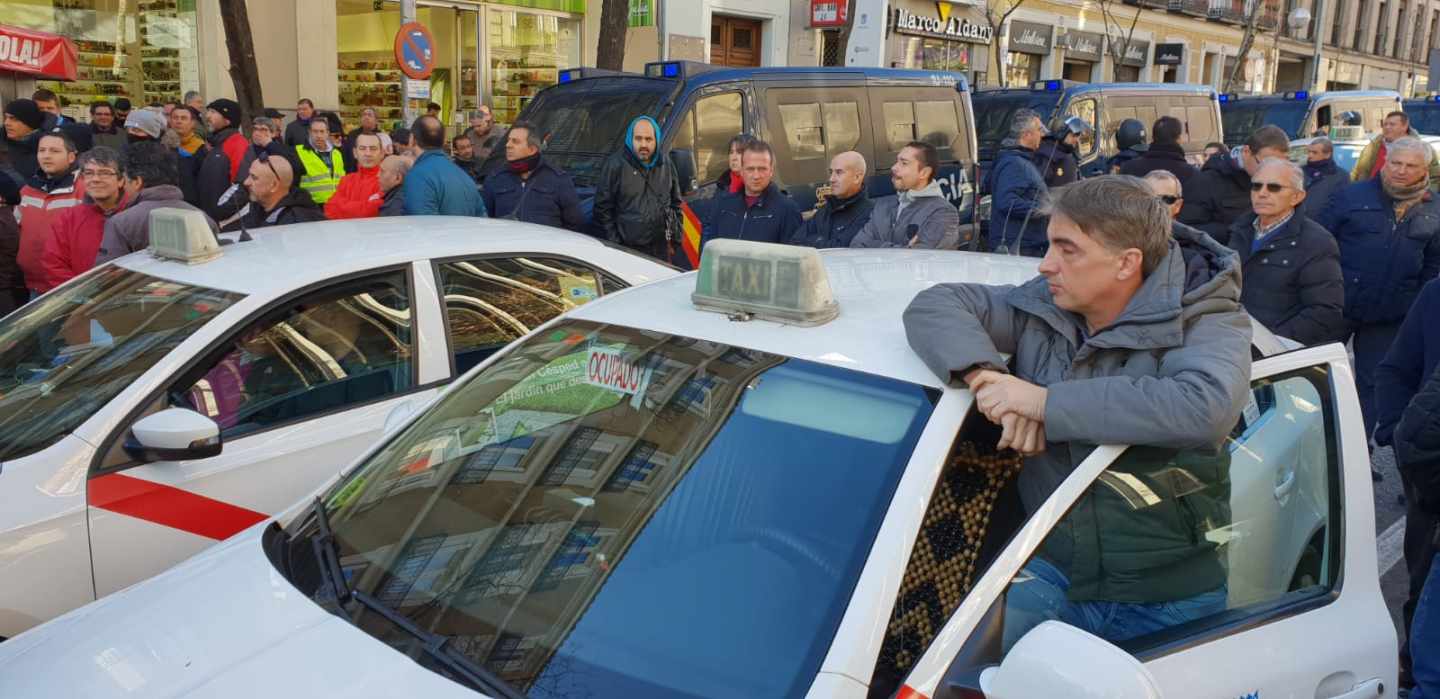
[1038, 594]
[1424, 638]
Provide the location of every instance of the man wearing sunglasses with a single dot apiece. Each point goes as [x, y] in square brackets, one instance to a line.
[1220, 194]
[1290, 265]
[273, 202]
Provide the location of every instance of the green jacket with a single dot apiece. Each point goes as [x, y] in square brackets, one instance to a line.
[1366, 162]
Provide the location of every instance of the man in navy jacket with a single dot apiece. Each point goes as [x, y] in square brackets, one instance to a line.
[759, 211]
[530, 189]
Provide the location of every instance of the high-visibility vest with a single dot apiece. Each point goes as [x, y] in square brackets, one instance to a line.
[320, 179]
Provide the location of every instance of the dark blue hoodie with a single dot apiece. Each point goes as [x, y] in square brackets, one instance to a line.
[1018, 191]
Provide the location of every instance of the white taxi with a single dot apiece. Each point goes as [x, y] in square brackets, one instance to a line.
[743, 483]
[153, 407]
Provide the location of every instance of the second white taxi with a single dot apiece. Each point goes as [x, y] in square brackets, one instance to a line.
[162, 403]
[743, 483]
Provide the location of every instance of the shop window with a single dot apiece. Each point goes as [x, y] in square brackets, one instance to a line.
[1024, 69]
[706, 131]
[527, 51]
[144, 50]
[491, 302]
[937, 125]
[1085, 109]
[642, 13]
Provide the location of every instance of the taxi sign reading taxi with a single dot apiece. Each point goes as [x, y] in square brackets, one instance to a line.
[415, 51]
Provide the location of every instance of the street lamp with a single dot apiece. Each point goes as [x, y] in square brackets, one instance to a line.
[1299, 17]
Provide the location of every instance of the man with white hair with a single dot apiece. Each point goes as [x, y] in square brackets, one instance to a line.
[1388, 229]
[847, 207]
[1290, 265]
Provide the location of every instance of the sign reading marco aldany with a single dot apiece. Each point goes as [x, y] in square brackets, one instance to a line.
[944, 25]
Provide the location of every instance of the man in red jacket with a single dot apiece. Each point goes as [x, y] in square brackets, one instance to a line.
[50, 191]
[75, 234]
[359, 195]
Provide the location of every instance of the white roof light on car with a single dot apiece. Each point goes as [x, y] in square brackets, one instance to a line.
[781, 283]
[183, 235]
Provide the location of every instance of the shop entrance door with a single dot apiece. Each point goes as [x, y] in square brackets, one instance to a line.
[734, 41]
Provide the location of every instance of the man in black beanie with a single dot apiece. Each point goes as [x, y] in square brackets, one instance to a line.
[221, 164]
[122, 109]
[23, 120]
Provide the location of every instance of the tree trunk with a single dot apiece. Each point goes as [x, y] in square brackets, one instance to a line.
[998, 70]
[1247, 40]
[244, 72]
[614, 21]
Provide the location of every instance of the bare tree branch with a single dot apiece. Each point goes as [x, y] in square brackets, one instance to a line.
[1117, 44]
[996, 12]
[1246, 41]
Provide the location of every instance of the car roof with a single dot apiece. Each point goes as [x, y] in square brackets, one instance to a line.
[1080, 88]
[872, 287]
[859, 75]
[1335, 94]
[283, 258]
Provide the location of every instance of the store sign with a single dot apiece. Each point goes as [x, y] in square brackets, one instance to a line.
[1135, 53]
[417, 89]
[944, 25]
[37, 53]
[828, 13]
[1169, 54]
[1083, 46]
[415, 51]
[1027, 37]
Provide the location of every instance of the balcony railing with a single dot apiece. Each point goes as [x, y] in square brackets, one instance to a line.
[1238, 11]
[1194, 8]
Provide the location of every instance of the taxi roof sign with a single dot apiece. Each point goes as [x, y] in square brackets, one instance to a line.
[183, 235]
[782, 283]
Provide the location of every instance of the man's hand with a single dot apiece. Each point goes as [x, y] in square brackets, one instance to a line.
[1021, 434]
[998, 395]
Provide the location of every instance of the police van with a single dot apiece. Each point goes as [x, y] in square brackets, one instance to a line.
[1303, 114]
[742, 482]
[1103, 106]
[807, 114]
[1424, 113]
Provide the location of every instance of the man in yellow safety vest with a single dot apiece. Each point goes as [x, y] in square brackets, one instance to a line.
[322, 163]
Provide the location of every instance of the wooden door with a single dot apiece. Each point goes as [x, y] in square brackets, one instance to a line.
[734, 41]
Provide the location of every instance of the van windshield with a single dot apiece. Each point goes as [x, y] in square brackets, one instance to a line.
[1424, 118]
[609, 512]
[584, 121]
[995, 108]
[1242, 117]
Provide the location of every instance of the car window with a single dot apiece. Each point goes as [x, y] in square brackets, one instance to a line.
[336, 348]
[1170, 545]
[706, 130]
[493, 301]
[557, 515]
[65, 355]
[1085, 109]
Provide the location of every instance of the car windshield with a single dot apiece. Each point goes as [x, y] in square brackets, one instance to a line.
[67, 353]
[1345, 156]
[584, 121]
[995, 108]
[1424, 118]
[1242, 117]
[608, 512]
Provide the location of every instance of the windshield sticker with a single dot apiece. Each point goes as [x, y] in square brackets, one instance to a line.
[578, 290]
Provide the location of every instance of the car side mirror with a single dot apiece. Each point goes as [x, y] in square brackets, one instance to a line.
[684, 161]
[1059, 660]
[173, 434]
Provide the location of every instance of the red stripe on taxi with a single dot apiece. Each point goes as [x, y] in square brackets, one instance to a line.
[170, 506]
[906, 692]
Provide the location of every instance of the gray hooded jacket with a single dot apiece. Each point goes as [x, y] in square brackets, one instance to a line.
[937, 221]
[1172, 371]
[129, 230]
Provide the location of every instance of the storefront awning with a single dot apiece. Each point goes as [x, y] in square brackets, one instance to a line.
[36, 53]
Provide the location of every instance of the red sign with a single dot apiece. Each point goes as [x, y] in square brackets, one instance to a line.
[828, 13]
[36, 53]
[415, 51]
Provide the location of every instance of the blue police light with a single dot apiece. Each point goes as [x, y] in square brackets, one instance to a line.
[1224, 98]
[1053, 85]
[672, 70]
[567, 75]
[1302, 95]
[1436, 98]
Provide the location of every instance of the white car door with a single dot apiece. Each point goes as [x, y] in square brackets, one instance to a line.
[1247, 572]
[298, 393]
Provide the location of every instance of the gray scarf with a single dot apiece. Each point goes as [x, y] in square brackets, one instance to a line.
[1405, 195]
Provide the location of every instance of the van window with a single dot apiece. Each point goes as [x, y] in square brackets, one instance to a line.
[803, 132]
[1200, 123]
[899, 124]
[936, 124]
[809, 125]
[842, 126]
[706, 130]
[1085, 109]
[929, 114]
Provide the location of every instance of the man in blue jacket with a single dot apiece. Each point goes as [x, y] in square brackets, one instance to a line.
[1388, 230]
[759, 211]
[1016, 223]
[530, 189]
[435, 185]
[1403, 375]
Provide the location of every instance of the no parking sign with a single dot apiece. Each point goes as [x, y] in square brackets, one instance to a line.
[415, 51]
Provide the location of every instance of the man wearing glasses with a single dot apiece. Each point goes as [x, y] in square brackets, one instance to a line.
[75, 235]
[151, 176]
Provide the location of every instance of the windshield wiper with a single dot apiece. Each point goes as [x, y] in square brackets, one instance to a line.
[325, 554]
[437, 646]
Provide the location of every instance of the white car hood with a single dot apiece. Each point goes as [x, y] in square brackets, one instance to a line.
[222, 624]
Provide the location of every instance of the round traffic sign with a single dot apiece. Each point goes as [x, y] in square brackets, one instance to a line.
[415, 51]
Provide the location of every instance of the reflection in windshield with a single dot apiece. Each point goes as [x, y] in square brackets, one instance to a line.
[584, 121]
[995, 109]
[614, 513]
[66, 354]
[1241, 118]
